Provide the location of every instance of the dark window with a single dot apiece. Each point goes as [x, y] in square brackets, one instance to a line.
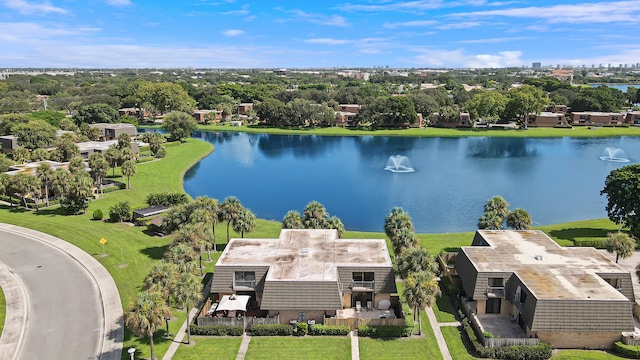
[245, 276]
[523, 297]
[496, 282]
[362, 276]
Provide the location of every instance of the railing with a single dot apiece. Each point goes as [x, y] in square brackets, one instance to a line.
[354, 323]
[362, 284]
[244, 283]
[498, 291]
[502, 342]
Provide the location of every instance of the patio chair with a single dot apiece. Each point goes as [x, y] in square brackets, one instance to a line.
[358, 306]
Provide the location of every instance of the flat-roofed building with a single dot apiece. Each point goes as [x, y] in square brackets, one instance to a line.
[89, 147]
[306, 274]
[9, 143]
[570, 297]
[112, 131]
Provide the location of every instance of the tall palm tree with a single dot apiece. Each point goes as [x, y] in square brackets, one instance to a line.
[245, 222]
[292, 220]
[162, 278]
[421, 290]
[99, 168]
[145, 314]
[195, 235]
[183, 256]
[490, 221]
[212, 207]
[113, 156]
[336, 223]
[129, 170]
[498, 205]
[395, 221]
[416, 259]
[404, 239]
[519, 219]
[229, 210]
[188, 292]
[76, 165]
[44, 172]
[315, 216]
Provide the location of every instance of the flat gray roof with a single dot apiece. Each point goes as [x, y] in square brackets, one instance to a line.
[311, 255]
[549, 270]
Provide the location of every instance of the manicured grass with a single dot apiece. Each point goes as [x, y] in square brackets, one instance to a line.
[454, 342]
[3, 310]
[308, 347]
[219, 348]
[444, 309]
[584, 355]
[417, 347]
[578, 131]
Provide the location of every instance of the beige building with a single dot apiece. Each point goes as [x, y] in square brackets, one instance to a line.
[112, 131]
[306, 274]
[597, 118]
[569, 297]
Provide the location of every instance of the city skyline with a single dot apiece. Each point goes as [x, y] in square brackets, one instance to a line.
[280, 34]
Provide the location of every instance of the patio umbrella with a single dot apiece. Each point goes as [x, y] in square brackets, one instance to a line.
[233, 302]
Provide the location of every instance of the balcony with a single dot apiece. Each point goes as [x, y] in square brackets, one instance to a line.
[362, 285]
[244, 284]
[495, 292]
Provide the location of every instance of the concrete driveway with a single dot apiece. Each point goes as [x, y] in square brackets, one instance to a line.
[61, 302]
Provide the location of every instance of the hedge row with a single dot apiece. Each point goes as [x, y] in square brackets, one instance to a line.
[271, 330]
[329, 330]
[302, 329]
[596, 243]
[216, 330]
[385, 331]
[629, 351]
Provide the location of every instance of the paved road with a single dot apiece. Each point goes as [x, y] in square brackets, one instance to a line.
[63, 303]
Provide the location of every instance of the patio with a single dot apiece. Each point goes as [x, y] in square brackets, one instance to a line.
[500, 326]
[351, 313]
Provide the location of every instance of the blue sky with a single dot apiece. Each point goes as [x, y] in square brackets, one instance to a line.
[327, 33]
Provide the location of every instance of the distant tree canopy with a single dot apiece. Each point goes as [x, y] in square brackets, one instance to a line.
[96, 113]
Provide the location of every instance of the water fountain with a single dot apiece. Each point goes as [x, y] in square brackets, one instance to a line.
[615, 155]
[399, 164]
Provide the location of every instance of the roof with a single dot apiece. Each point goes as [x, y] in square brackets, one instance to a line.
[548, 270]
[151, 210]
[112, 126]
[308, 255]
[96, 145]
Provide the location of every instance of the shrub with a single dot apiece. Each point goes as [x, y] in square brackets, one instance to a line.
[487, 334]
[162, 152]
[596, 243]
[166, 198]
[385, 331]
[629, 351]
[97, 215]
[537, 352]
[271, 330]
[301, 329]
[144, 159]
[216, 330]
[319, 329]
[120, 212]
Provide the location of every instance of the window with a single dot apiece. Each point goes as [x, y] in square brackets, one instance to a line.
[245, 279]
[362, 276]
[496, 282]
[523, 297]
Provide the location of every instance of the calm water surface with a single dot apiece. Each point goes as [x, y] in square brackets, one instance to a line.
[555, 180]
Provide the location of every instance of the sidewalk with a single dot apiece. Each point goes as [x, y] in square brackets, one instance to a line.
[442, 344]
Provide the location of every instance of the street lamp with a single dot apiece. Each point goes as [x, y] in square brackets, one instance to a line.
[131, 352]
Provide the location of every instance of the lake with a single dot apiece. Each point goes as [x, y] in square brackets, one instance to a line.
[555, 180]
[621, 87]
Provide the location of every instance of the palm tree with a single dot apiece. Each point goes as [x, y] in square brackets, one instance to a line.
[113, 156]
[183, 256]
[490, 221]
[212, 207]
[229, 210]
[498, 205]
[188, 292]
[315, 216]
[415, 259]
[292, 220]
[162, 278]
[336, 223]
[495, 212]
[421, 289]
[145, 314]
[620, 243]
[99, 168]
[245, 222]
[76, 165]
[395, 221]
[129, 170]
[45, 175]
[404, 239]
[519, 219]
[195, 235]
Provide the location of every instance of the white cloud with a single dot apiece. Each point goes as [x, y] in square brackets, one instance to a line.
[329, 20]
[458, 58]
[412, 6]
[119, 2]
[328, 41]
[26, 32]
[416, 23]
[25, 7]
[232, 32]
[459, 25]
[598, 12]
[493, 40]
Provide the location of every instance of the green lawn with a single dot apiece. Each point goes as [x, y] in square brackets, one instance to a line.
[444, 309]
[308, 347]
[454, 342]
[3, 310]
[577, 131]
[584, 355]
[219, 348]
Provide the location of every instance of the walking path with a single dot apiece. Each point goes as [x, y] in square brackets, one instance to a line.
[442, 344]
[355, 347]
[179, 336]
[244, 346]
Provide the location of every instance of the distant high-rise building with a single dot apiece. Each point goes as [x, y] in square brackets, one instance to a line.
[536, 65]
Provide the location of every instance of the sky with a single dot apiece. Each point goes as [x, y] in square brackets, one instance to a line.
[317, 33]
